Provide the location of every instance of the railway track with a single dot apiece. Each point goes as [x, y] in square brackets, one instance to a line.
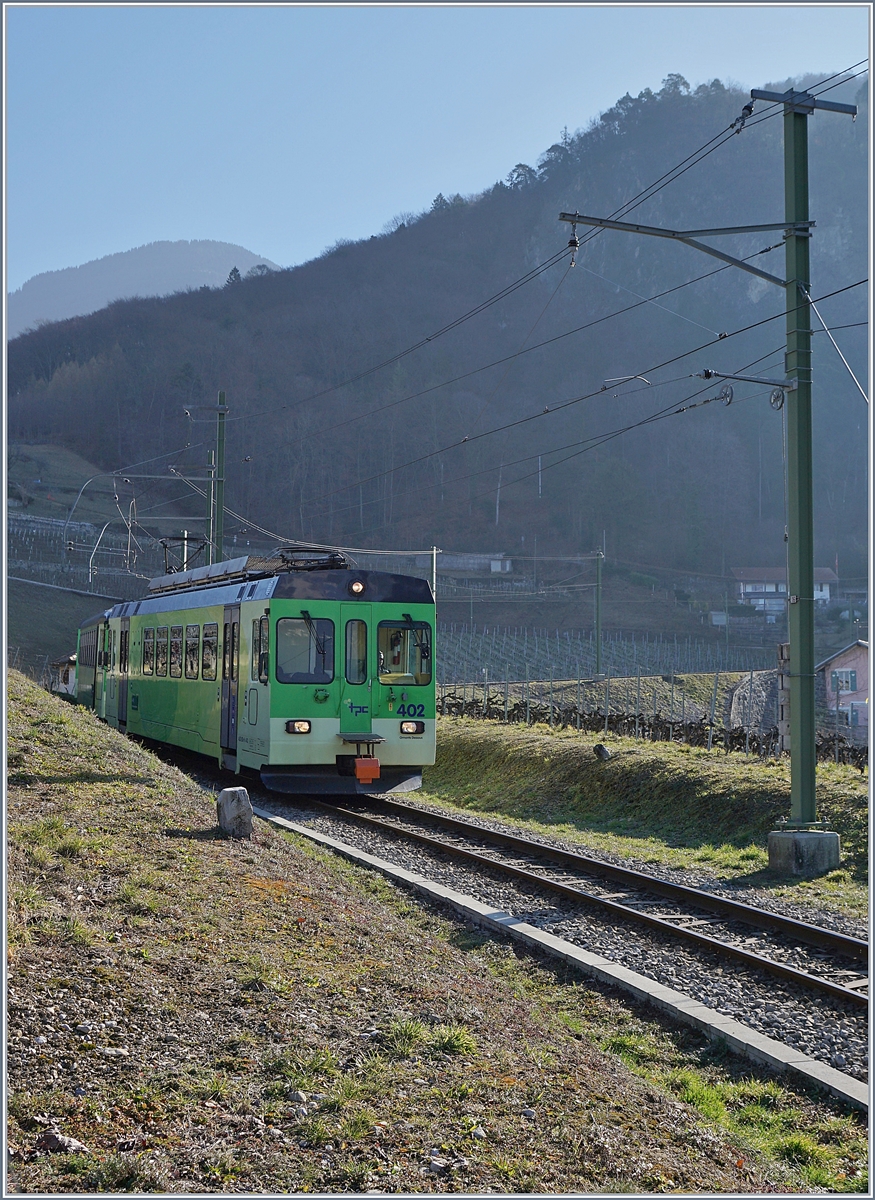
[833, 964]
[778, 989]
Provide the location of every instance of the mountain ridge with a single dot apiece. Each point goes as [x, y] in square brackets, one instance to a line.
[153, 269]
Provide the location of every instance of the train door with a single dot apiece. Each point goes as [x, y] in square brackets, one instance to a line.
[255, 702]
[230, 678]
[124, 639]
[104, 665]
[355, 696]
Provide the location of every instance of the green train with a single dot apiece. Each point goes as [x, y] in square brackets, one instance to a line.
[298, 666]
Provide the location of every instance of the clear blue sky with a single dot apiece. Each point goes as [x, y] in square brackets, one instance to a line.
[283, 129]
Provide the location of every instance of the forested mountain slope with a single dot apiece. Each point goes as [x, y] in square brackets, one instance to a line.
[313, 455]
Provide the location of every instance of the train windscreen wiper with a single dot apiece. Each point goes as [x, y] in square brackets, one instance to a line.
[420, 637]
[311, 628]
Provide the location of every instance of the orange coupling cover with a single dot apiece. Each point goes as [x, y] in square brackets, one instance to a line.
[367, 768]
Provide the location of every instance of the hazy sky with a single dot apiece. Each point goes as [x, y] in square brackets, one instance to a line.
[284, 128]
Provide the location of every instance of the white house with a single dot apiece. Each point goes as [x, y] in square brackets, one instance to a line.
[765, 588]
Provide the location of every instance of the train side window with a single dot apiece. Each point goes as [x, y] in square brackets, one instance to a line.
[123, 651]
[148, 651]
[304, 650]
[161, 651]
[112, 650]
[356, 651]
[210, 650]
[226, 651]
[255, 650]
[176, 651]
[264, 651]
[192, 650]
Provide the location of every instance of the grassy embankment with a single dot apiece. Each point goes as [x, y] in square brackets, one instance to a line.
[184, 988]
[669, 804]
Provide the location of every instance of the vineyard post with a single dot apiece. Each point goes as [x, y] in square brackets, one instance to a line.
[638, 705]
[671, 712]
[713, 709]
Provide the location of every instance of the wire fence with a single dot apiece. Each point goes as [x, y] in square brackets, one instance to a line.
[656, 710]
[466, 652]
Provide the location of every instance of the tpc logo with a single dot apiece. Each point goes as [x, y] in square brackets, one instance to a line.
[356, 709]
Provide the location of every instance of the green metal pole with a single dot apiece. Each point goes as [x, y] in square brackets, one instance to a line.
[598, 612]
[800, 516]
[211, 498]
[220, 480]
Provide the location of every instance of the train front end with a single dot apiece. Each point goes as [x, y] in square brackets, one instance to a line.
[347, 663]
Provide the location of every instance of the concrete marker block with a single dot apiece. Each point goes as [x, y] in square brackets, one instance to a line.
[234, 812]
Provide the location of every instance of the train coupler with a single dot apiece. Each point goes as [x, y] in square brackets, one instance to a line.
[367, 768]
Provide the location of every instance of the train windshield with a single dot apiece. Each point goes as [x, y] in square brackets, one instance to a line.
[404, 652]
[304, 650]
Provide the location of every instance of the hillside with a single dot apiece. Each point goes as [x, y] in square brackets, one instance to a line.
[205, 1015]
[323, 446]
[153, 270]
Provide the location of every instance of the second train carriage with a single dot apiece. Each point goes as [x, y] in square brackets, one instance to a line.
[299, 666]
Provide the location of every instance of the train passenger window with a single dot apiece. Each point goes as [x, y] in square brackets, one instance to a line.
[255, 650]
[304, 650]
[235, 648]
[192, 650]
[258, 667]
[226, 651]
[176, 651]
[210, 650]
[264, 651]
[123, 651]
[148, 651]
[356, 651]
[161, 651]
[404, 652]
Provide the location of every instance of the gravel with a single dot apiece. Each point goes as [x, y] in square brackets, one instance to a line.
[828, 1030]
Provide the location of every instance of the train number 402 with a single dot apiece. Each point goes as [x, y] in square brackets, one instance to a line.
[411, 710]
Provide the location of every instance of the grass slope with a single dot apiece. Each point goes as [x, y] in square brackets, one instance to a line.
[663, 803]
[205, 1015]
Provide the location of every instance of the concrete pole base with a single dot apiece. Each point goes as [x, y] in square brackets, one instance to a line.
[804, 852]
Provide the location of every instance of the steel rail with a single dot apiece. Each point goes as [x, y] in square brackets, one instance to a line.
[751, 960]
[814, 935]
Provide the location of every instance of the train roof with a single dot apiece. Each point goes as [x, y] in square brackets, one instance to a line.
[290, 572]
[252, 566]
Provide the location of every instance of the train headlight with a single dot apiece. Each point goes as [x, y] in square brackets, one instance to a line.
[357, 587]
[298, 726]
[413, 726]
